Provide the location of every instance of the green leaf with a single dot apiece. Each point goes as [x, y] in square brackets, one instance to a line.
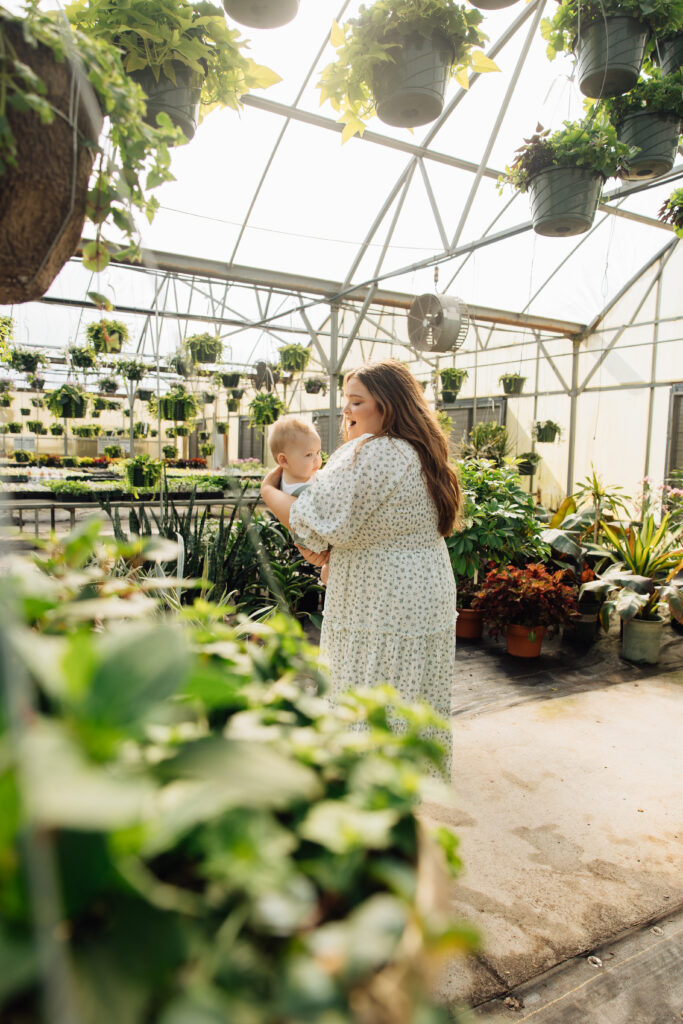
[341, 826]
[95, 256]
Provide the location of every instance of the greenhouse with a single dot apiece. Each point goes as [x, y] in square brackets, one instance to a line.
[341, 470]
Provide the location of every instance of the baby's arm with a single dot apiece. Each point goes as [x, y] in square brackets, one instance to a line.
[325, 574]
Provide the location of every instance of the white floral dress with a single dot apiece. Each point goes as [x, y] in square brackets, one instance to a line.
[390, 603]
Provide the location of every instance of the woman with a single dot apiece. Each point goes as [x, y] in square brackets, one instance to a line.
[382, 506]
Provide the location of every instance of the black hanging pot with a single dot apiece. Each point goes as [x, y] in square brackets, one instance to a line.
[262, 13]
[43, 197]
[410, 90]
[564, 200]
[656, 135]
[609, 55]
[179, 101]
[670, 54]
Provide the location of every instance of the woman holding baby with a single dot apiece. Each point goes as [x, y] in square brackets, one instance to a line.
[379, 511]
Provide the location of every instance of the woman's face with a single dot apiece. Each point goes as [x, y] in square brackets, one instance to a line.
[361, 412]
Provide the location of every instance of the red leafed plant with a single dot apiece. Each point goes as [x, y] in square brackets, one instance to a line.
[530, 596]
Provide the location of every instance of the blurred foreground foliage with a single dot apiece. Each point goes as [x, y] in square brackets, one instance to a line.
[187, 835]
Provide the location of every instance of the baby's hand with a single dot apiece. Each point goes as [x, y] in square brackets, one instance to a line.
[325, 574]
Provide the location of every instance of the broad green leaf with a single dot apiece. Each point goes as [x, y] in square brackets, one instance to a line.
[482, 63]
[101, 301]
[337, 35]
[462, 79]
[341, 826]
[95, 256]
[261, 77]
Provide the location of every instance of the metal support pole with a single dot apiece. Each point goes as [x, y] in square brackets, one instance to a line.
[334, 370]
[573, 399]
[653, 376]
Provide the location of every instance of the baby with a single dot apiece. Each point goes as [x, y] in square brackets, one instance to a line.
[295, 445]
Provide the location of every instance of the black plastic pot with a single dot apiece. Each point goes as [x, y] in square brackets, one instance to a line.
[513, 385]
[527, 467]
[262, 13]
[656, 136]
[546, 434]
[230, 380]
[564, 200]
[411, 90]
[582, 630]
[179, 101]
[610, 55]
[448, 396]
[671, 54]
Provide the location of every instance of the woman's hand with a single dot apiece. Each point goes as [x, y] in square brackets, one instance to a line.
[272, 478]
[313, 557]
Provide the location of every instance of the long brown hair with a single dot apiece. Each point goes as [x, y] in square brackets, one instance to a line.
[406, 414]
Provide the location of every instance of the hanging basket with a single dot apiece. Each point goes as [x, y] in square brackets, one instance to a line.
[546, 435]
[671, 54]
[656, 136]
[230, 380]
[524, 641]
[262, 13]
[42, 199]
[410, 91]
[179, 101]
[492, 5]
[564, 200]
[610, 55]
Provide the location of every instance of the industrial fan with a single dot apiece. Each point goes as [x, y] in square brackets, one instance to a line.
[437, 323]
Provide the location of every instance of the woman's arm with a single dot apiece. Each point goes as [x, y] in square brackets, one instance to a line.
[277, 501]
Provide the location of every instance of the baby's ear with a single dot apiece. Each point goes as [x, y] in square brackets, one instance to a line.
[281, 459]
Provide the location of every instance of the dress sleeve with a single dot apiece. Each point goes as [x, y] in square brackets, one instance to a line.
[346, 493]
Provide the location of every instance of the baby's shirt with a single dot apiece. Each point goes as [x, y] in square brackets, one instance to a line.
[295, 489]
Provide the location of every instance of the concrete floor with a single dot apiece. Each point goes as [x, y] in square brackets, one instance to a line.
[570, 815]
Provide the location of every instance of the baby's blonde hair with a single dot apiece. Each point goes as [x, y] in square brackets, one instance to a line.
[287, 430]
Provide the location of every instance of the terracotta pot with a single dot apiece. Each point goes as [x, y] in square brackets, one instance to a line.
[42, 199]
[468, 625]
[520, 643]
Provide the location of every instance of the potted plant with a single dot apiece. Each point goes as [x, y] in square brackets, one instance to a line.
[142, 472]
[294, 358]
[144, 394]
[68, 402]
[232, 404]
[315, 386]
[262, 13]
[667, 49]
[14, 428]
[671, 211]
[564, 173]
[643, 578]
[25, 360]
[525, 603]
[230, 380]
[648, 119]
[169, 451]
[452, 379]
[6, 332]
[182, 431]
[527, 462]
[609, 38]
[56, 429]
[107, 335]
[44, 109]
[204, 348]
[108, 385]
[82, 358]
[546, 431]
[487, 440]
[183, 55]
[140, 429]
[395, 59]
[178, 404]
[512, 383]
[237, 393]
[5, 400]
[265, 408]
[113, 451]
[36, 382]
[223, 428]
[131, 369]
[206, 449]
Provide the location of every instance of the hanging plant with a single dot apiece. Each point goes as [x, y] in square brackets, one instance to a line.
[5, 385]
[371, 49]
[113, 451]
[6, 333]
[25, 360]
[265, 408]
[661, 17]
[177, 47]
[204, 435]
[294, 358]
[178, 404]
[237, 393]
[315, 386]
[144, 394]
[36, 382]
[512, 383]
[207, 449]
[170, 451]
[546, 431]
[180, 364]
[14, 428]
[208, 397]
[82, 358]
[648, 119]
[131, 369]
[223, 428]
[142, 472]
[108, 385]
[42, 112]
[5, 400]
[232, 404]
[671, 211]
[230, 380]
[140, 429]
[451, 378]
[68, 402]
[38, 403]
[204, 348]
[107, 335]
[56, 429]
[25, 412]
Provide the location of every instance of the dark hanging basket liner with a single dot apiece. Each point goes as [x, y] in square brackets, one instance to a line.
[74, 409]
[5, 401]
[410, 91]
[172, 409]
[262, 13]
[610, 55]
[141, 476]
[546, 434]
[144, 394]
[42, 199]
[14, 428]
[179, 101]
[230, 380]
[233, 404]
[313, 387]
[670, 54]
[492, 5]
[513, 386]
[237, 393]
[564, 200]
[527, 467]
[56, 429]
[222, 428]
[656, 135]
[448, 395]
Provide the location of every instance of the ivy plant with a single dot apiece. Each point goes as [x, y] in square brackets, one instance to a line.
[131, 369]
[159, 34]
[671, 211]
[591, 144]
[264, 408]
[367, 42]
[133, 157]
[664, 17]
[659, 94]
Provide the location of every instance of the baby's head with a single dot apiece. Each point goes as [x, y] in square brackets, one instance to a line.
[295, 445]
